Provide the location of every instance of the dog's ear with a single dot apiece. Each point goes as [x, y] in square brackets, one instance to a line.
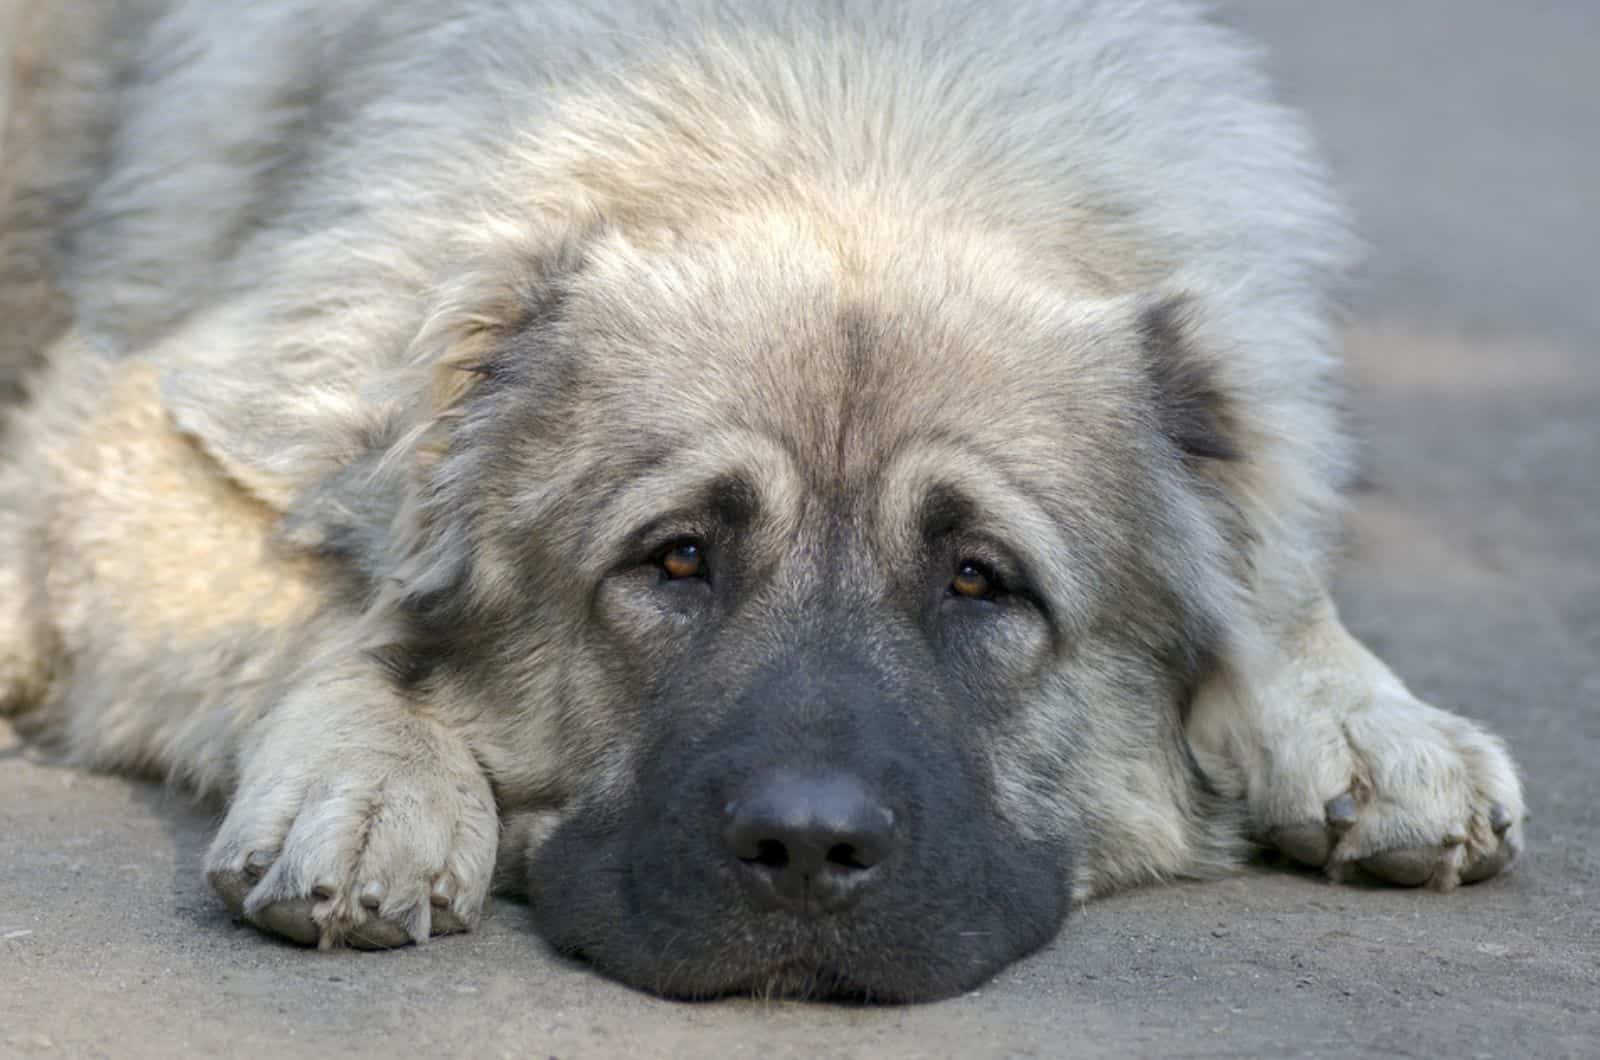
[286, 397]
[470, 337]
[494, 337]
[1195, 409]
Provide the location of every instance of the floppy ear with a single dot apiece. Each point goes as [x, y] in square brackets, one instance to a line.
[1195, 410]
[287, 396]
[467, 340]
[491, 329]
[274, 413]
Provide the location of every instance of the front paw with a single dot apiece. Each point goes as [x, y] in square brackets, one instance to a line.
[374, 844]
[1411, 794]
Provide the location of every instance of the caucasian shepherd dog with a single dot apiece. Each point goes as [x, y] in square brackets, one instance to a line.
[806, 491]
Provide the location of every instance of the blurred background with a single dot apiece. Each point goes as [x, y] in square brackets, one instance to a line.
[1467, 134]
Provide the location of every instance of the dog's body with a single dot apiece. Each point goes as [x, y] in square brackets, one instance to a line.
[645, 446]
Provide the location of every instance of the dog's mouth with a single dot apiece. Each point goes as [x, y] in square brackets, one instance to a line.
[854, 859]
[789, 978]
[668, 920]
[785, 970]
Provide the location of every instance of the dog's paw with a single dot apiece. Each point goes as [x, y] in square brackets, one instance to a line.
[1341, 765]
[1410, 793]
[369, 846]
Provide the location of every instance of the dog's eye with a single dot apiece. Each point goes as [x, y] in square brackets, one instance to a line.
[975, 581]
[683, 559]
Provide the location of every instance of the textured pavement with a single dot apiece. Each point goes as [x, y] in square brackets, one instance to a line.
[1468, 135]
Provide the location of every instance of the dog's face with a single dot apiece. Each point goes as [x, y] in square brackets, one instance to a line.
[847, 596]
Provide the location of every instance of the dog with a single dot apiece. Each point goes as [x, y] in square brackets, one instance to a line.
[805, 492]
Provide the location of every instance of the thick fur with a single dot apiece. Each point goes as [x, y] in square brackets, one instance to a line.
[378, 348]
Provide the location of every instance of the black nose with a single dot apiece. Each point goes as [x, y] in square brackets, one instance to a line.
[809, 843]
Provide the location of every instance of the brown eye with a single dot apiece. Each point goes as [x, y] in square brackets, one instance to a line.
[683, 560]
[974, 581]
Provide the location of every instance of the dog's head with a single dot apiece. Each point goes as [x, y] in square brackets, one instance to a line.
[839, 593]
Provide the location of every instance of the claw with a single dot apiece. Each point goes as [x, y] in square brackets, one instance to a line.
[417, 924]
[445, 922]
[1341, 812]
[1491, 863]
[443, 892]
[372, 896]
[257, 863]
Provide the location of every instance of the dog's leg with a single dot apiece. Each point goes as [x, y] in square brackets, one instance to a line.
[358, 819]
[1340, 764]
[184, 641]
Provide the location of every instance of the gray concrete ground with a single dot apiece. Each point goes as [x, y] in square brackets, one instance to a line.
[1468, 132]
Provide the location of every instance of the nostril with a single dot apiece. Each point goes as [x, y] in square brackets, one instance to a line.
[847, 856]
[770, 853]
[811, 843]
